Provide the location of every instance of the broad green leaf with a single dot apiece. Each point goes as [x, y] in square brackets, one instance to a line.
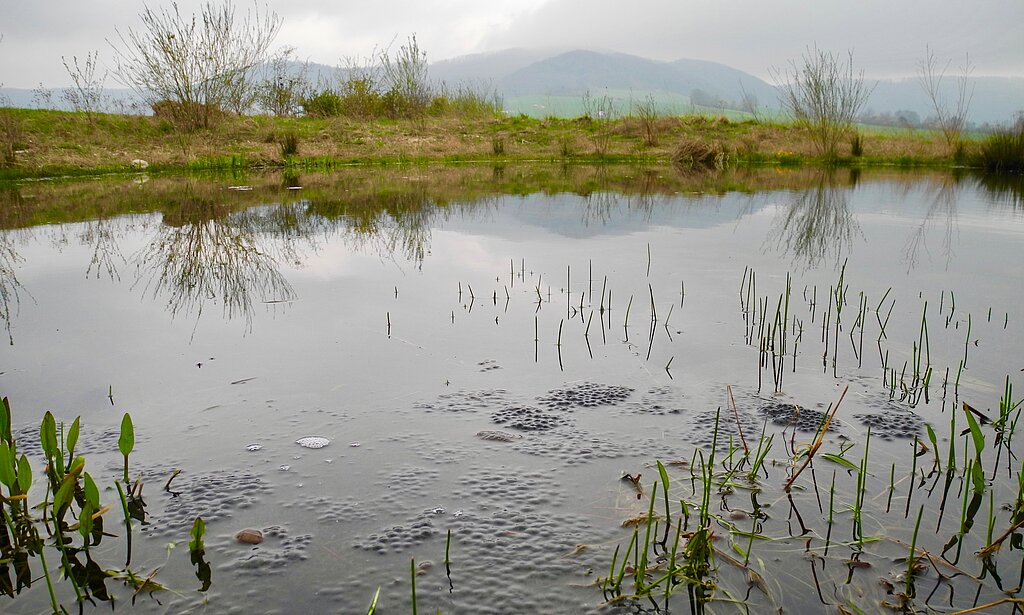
[978, 478]
[976, 435]
[24, 474]
[85, 521]
[664, 475]
[92, 492]
[5, 420]
[72, 438]
[7, 474]
[65, 492]
[843, 461]
[127, 440]
[197, 534]
[77, 465]
[48, 436]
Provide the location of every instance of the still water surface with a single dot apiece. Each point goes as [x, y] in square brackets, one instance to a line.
[490, 353]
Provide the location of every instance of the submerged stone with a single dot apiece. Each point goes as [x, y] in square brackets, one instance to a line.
[249, 536]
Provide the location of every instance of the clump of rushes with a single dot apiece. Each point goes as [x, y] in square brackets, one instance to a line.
[70, 525]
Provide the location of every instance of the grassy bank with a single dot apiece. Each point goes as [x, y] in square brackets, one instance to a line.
[47, 143]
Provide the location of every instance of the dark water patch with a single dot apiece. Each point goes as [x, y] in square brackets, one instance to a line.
[467, 401]
[529, 418]
[430, 448]
[574, 446]
[701, 431]
[278, 549]
[330, 510]
[213, 496]
[512, 488]
[792, 416]
[535, 548]
[584, 395]
[406, 483]
[91, 440]
[488, 365]
[659, 401]
[402, 537]
[891, 425]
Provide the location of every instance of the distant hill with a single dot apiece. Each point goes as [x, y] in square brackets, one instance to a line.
[555, 81]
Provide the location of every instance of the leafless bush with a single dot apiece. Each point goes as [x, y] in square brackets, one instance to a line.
[11, 137]
[87, 94]
[405, 75]
[823, 94]
[646, 113]
[951, 116]
[201, 62]
[284, 85]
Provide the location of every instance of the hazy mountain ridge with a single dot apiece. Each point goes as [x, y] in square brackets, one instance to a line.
[521, 72]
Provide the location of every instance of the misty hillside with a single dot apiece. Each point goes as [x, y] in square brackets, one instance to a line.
[576, 72]
[524, 76]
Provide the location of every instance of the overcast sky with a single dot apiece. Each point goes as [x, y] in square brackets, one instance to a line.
[887, 36]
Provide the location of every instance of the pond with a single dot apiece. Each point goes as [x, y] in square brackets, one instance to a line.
[491, 363]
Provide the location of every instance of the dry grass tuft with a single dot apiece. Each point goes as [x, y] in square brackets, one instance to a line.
[693, 152]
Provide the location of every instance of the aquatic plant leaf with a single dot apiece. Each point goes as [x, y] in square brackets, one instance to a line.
[85, 521]
[197, 534]
[126, 442]
[48, 436]
[843, 461]
[5, 421]
[24, 474]
[7, 473]
[664, 475]
[72, 438]
[978, 478]
[92, 492]
[196, 543]
[976, 435]
[65, 492]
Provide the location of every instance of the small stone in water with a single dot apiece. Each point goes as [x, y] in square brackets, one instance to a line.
[254, 447]
[249, 536]
[285, 468]
[313, 442]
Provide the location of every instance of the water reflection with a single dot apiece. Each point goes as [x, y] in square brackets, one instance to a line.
[214, 246]
[816, 224]
[10, 287]
[943, 195]
[202, 255]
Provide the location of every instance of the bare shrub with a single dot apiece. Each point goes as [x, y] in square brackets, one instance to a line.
[201, 62]
[87, 94]
[951, 116]
[646, 113]
[405, 75]
[823, 94]
[285, 83]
